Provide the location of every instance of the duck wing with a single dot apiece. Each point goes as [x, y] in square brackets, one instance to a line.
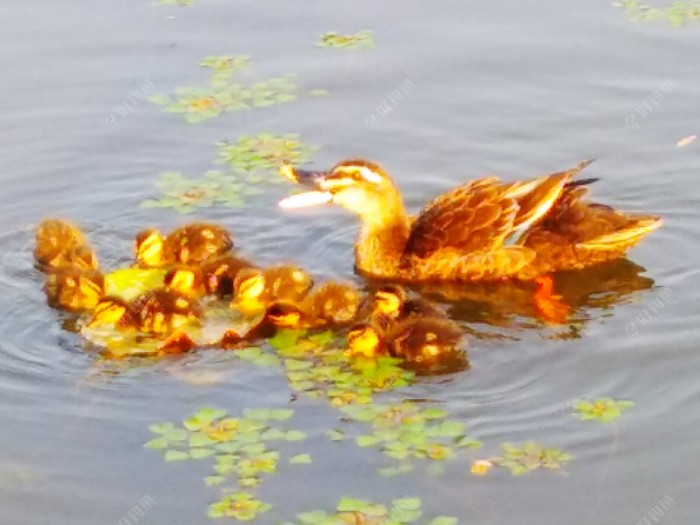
[482, 214]
[577, 232]
[461, 234]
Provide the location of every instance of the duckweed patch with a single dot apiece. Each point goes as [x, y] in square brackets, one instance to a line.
[315, 367]
[263, 153]
[351, 511]
[239, 448]
[406, 431]
[603, 409]
[530, 456]
[221, 94]
[363, 39]
[185, 195]
[676, 14]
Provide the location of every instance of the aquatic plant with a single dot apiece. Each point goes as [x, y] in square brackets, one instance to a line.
[315, 367]
[239, 447]
[362, 39]
[603, 409]
[265, 152]
[405, 431]
[185, 195]
[676, 13]
[530, 456]
[221, 94]
[350, 511]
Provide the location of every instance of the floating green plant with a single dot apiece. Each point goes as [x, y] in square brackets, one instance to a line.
[315, 367]
[603, 409]
[221, 94]
[224, 66]
[351, 511]
[239, 505]
[529, 457]
[406, 431]
[186, 195]
[319, 92]
[362, 39]
[265, 152]
[238, 447]
[676, 13]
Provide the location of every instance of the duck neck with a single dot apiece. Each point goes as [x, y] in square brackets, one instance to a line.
[382, 240]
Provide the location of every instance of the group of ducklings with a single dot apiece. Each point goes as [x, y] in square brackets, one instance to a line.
[199, 266]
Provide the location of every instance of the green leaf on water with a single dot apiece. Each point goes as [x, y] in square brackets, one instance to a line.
[200, 453]
[175, 455]
[444, 520]
[300, 459]
[157, 443]
[213, 481]
[295, 435]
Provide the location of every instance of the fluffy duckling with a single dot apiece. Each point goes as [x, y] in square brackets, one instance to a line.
[426, 345]
[331, 304]
[159, 312]
[187, 244]
[59, 244]
[138, 316]
[74, 289]
[397, 303]
[219, 273]
[256, 289]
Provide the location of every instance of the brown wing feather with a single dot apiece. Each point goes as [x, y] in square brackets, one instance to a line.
[475, 216]
[577, 233]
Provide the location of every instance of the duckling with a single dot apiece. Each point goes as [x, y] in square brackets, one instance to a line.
[332, 304]
[426, 345]
[60, 243]
[73, 288]
[187, 280]
[190, 243]
[113, 312]
[398, 303]
[255, 289]
[160, 312]
[219, 273]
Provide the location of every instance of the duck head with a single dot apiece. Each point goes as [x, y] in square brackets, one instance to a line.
[360, 186]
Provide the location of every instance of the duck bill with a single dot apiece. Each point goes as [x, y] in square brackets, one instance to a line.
[311, 179]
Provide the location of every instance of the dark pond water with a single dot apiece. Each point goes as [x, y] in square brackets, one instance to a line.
[513, 88]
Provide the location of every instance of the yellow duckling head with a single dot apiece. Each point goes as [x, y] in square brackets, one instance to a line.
[389, 300]
[284, 315]
[364, 341]
[183, 280]
[248, 289]
[149, 246]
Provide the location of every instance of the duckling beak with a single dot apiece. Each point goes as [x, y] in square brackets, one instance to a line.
[311, 179]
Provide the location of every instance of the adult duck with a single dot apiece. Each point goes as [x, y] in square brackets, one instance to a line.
[484, 230]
